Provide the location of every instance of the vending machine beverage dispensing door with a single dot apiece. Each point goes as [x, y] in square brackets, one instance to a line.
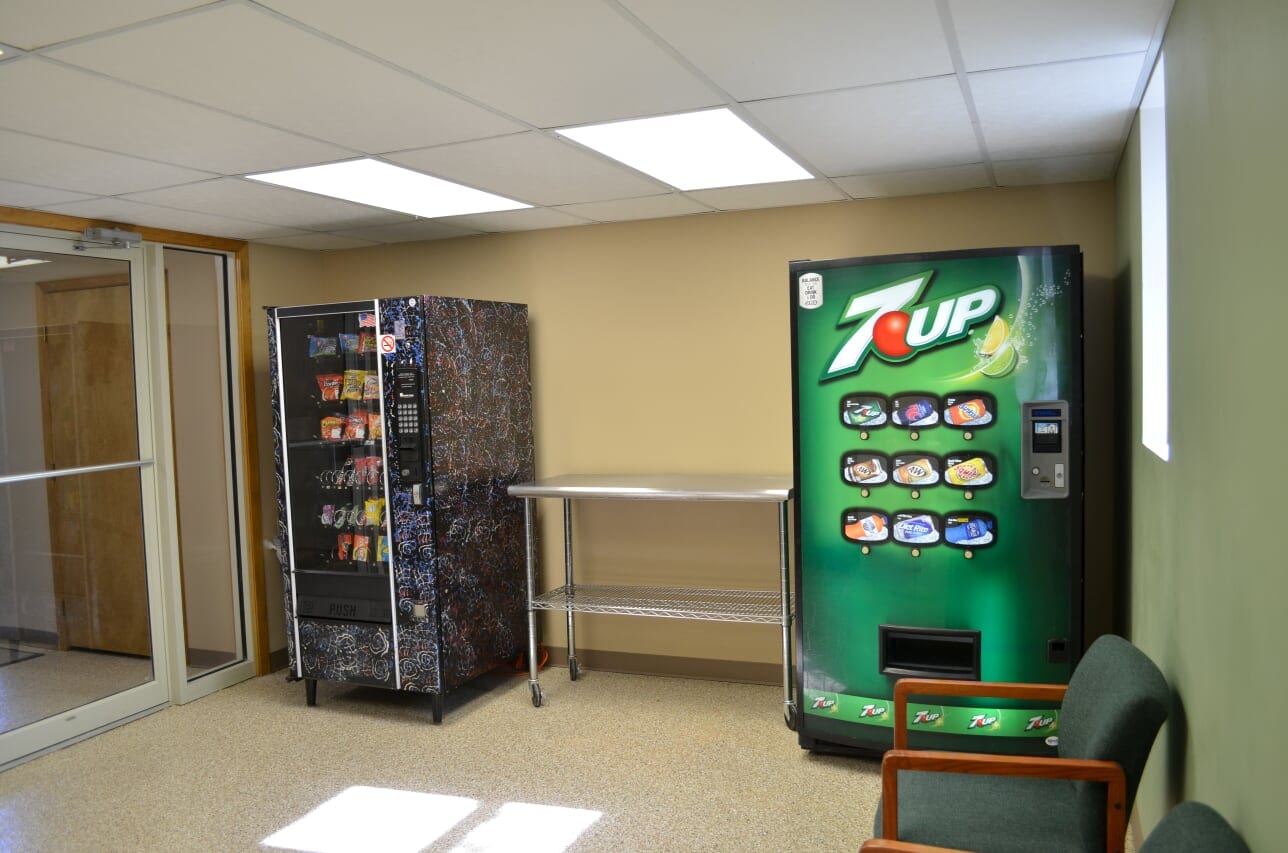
[1044, 449]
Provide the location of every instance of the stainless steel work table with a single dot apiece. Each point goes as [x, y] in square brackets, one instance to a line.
[717, 605]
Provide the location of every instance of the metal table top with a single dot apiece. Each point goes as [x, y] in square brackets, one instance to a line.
[659, 487]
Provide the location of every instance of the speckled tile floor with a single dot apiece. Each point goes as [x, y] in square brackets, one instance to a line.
[611, 762]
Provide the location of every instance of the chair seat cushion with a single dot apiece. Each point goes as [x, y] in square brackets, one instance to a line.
[994, 814]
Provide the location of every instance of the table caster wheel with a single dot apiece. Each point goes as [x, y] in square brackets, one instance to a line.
[789, 717]
[536, 694]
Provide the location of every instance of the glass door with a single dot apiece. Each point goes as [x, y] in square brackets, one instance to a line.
[332, 437]
[80, 588]
[207, 592]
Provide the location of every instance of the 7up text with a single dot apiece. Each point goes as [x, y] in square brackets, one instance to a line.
[886, 321]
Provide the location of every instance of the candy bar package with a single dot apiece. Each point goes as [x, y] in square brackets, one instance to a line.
[375, 426]
[328, 514]
[332, 428]
[330, 384]
[371, 387]
[367, 342]
[319, 346]
[382, 548]
[353, 382]
[355, 426]
[348, 342]
[343, 545]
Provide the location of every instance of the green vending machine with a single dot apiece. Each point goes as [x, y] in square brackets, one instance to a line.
[937, 403]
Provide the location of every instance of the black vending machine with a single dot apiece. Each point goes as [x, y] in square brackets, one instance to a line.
[398, 425]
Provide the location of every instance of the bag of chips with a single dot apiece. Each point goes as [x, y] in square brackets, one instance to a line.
[375, 425]
[332, 428]
[361, 548]
[371, 387]
[353, 382]
[330, 384]
[348, 342]
[372, 511]
[367, 342]
[382, 549]
[355, 427]
[343, 546]
[319, 346]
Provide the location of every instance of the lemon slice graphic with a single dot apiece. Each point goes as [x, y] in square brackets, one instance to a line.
[997, 335]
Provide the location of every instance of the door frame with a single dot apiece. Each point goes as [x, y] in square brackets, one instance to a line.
[73, 724]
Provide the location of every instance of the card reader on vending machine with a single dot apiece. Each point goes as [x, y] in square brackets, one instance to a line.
[1045, 450]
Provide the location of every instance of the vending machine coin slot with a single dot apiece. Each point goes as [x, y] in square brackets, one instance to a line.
[1045, 450]
[408, 434]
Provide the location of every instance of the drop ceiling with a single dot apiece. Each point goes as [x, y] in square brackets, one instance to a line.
[151, 112]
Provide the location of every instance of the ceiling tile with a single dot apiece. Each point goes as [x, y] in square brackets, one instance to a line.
[753, 49]
[252, 63]
[551, 64]
[49, 99]
[920, 182]
[529, 219]
[782, 194]
[236, 198]
[319, 242]
[1078, 107]
[531, 167]
[36, 23]
[910, 125]
[30, 159]
[15, 194]
[648, 207]
[151, 216]
[408, 232]
[1055, 170]
[1007, 33]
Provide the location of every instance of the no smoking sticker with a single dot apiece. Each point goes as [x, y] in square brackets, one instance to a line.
[387, 344]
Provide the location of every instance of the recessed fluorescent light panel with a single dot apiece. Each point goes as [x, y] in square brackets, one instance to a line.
[378, 184]
[692, 151]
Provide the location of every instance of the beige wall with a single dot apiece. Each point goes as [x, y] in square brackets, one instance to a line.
[663, 346]
[1207, 580]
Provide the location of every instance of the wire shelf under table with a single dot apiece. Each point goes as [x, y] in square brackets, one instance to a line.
[716, 605]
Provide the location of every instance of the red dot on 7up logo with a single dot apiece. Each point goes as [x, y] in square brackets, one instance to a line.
[890, 325]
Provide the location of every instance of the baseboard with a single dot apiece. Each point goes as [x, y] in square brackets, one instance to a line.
[48, 639]
[278, 660]
[743, 672]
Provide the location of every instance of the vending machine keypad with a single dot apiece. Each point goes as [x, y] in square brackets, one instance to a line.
[408, 435]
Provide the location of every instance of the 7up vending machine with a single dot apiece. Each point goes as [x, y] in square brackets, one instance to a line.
[938, 480]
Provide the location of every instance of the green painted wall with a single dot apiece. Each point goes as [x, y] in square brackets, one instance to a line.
[1207, 586]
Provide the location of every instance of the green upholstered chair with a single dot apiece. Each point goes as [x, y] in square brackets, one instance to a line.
[1193, 828]
[1079, 800]
[1189, 828]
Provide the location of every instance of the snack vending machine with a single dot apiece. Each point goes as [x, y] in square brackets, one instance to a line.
[938, 473]
[398, 426]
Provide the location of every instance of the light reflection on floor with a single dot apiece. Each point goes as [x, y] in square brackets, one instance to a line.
[361, 819]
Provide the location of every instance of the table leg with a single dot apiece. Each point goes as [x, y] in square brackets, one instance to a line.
[573, 668]
[789, 706]
[530, 535]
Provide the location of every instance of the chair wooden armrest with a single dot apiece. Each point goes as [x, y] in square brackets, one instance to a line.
[905, 687]
[885, 845]
[1110, 773]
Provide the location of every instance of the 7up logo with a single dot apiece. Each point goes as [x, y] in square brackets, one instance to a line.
[890, 324]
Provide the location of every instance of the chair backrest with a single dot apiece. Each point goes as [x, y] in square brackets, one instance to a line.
[1193, 828]
[1116, 702]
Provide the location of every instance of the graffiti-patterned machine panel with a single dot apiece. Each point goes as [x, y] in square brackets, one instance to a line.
[279, 448]
[480, 402]
[356, 652]
[415, 584]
